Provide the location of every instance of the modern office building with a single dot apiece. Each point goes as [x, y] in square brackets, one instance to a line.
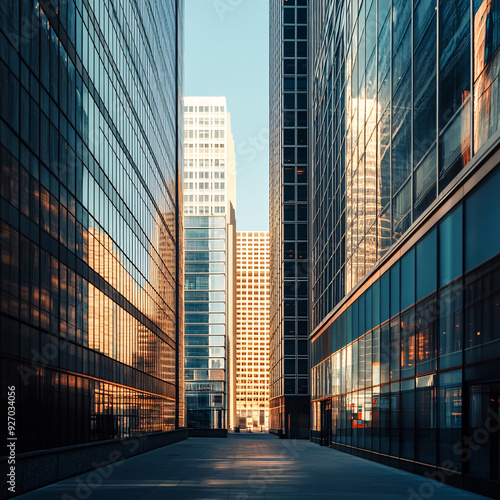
[405, 218]
[210, 263]
[288, 220]
[252, 329]
[90, 290]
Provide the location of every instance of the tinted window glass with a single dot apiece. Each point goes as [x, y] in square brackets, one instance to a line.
[427, 264]
[450, 246]
[482, 222]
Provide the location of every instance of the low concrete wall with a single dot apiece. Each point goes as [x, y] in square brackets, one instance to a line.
[214, 433]
[37, 469]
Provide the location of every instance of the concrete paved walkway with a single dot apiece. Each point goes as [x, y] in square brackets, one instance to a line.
[243, 467]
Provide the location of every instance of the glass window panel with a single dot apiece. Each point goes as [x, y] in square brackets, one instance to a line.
[424, 184]
[408, 353]
[451, 325]
[450, 423]
[375, 363]
[401, 211]
[394, 423]
[383, 55]
[401, 59]
[426, 254]
[385, 347]
[487, 102]
[482, 403]
[384, 297]
[482, 220]
[384, 420]
[450, 246]
[425, 13]
[401, 132]
[408, 279]
[426, 433]
[395, 349]
[486, 70]
[384, 167]
[395, 287]
[289, 386]
[368, 310]
[426, 323]
[454, 147]
[401, 15]
[408, 424]
[424, 87]
[482, 314]
[454, 58]
[376, 303]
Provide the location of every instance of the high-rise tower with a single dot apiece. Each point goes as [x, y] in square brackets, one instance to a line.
[288, 219]
[210, 263]
[405, 221]
[91, 235]
[252, 321]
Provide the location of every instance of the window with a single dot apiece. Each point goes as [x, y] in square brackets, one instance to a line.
[482, 213]
[450, 246]
[426, 256]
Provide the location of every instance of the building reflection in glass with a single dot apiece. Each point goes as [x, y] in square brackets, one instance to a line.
[486, 71]
[90, 286]
[363, 203]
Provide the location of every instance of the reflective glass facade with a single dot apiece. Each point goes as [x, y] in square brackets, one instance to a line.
[210, 264]
[405, 257]
[205, 364]
[288, 222]
[91, 299]
[393, 123]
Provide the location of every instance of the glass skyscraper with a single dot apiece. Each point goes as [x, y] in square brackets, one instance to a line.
[91, 303]
[405, 225]
[288, 220]
[210, 264]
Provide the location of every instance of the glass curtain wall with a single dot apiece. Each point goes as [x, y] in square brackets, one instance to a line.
[405, 119]
[90, 305]
[393, 123]
[205, 322]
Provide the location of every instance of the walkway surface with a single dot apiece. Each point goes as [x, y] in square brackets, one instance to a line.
[243, 467]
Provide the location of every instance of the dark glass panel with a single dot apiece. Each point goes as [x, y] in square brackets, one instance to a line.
[426, 432]
[408, 279]
[426, 255]
[451, 246]
[408, 343]
[424, 184]
[426, 338]
[451, 325]
[395, 349]
[482, 216]
[450, 424]
[395, 288]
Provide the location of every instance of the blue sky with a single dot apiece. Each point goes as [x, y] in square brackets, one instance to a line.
[226, 53]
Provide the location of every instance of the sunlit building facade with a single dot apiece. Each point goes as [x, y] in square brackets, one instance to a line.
[288, 218]
[91, 298]
[210, 263]
[404, 182]
[252, 329]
